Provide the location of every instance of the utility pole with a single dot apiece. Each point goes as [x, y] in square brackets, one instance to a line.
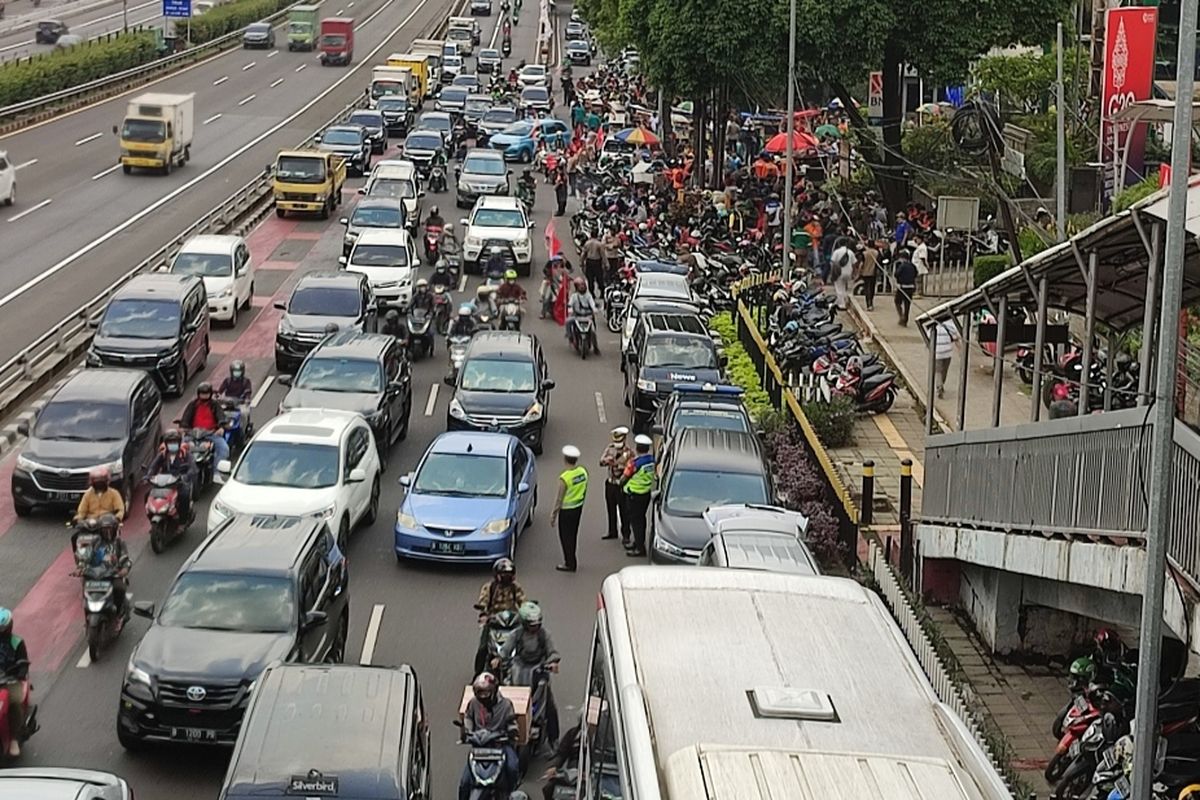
[791, 143]
[1158, 522]
[1060, 113]
[125, 14]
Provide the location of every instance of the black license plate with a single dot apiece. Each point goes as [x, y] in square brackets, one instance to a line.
[63, 497]
[453, 548]
[194, 734]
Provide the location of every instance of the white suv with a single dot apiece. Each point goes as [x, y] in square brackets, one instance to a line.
[388, 258]
[223, 262]
[305, 463]
[498, 217]
[398, 179]
[8, 180]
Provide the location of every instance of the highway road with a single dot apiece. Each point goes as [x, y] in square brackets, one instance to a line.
[80, 223]
[426, 620]
[107, 18]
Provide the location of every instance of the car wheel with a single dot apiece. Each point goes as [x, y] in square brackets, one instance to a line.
[130, 742]
[372, 507]
[181, 378]
[204, 353]
[526, 156]
[279, 212]
[343, 538]
[512, 547]
[12, 195]
[233, 316]
[249, 297]
[407, 415]
[337, 652]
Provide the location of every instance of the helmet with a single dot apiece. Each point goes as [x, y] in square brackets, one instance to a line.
[173, 435]
[6, 621]
[449, 227]
[531, 614]
[237, 369]
[204, 388]
[1109, 646]
[504, 569]
[108, 522]
[483, 291]
[792, 326]
[392, 316]
[642, 227]
[433, 211]
[99, 478]
[484, 688]
[581, 284]
[510, 274]
[464, 311]
[423, 283]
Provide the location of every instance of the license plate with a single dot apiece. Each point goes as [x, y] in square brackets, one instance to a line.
[456, 548]
[96, 586]
[64, 497]
[1122, 786]
[194, 734]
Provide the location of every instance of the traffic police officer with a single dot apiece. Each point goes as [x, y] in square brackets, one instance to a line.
[639, 481]
[568, 506]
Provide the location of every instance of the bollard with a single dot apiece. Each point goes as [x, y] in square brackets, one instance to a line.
[906, 542]
[868, 492]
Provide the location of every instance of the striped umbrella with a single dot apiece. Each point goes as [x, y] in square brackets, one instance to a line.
[636, 136]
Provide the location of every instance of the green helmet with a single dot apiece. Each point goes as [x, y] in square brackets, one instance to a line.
[531, 613]
[1083, 667]
[510, 274]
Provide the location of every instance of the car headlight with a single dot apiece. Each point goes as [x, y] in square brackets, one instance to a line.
[226, 292]
[521, 244]
[497, 526]
[135, 674]
[319, 198]
[170, 358]
[645, 385]
[663, 546]
[220, 510]
[285, 328]
[93, 359]
[25, 464]
[405, 520]
[325, 513]
[115, 468]
[456, 409]
[473, 242]
[533, 414]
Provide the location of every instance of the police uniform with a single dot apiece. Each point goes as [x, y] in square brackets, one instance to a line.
[639, 482]
[575, 479]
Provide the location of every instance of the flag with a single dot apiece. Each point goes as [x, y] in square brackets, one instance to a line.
[560, 300]
[553, 245]
[600, 138]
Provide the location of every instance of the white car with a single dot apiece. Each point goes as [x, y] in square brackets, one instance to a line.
[389, 259]
[498, 217]
[305, 463]
[398, 179]
[534, 75]
[224, 264]
[8, 180]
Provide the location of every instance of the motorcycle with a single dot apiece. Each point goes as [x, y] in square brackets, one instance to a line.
[503, 628]
[616, 298]
[441, 310]
[874, 393]
[433, 240]
[485, 764]
[420, 336]
[583, 334]
[31, 724]
[506, 46]
[457, 353]
[510, 316]
[202, 452]
[162, 507]
[238, 427]
[104, 620]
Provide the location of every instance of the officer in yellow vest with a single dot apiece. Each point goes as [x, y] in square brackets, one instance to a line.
[639, 482]
[568, 506]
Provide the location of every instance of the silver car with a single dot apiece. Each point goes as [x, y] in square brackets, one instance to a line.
[373, 213]
[56, 782]
[489, 60]
[482, 172]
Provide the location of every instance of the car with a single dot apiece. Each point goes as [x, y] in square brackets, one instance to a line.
[535, 75]
[483, 7]
[519, 141]
[579, 52]
[494, 121]
[312, 462]
[702, 468]
[318, 300]
[51, 783]
[397, 113]
[654, 315]
[422, 147]
[671, 291]
[158, 323]
[8, 180]
[660, 265]
[463, 37]
[700, 406]
[373, 213]
[258, 34]
[49, 31]
[108, 418]
[468, 500]
[452, 65]
[489, 60]
[225, 266]
[503, 384]
[351, 142]
[498, 217]
[663, 358]
[68, 40]
[397, 179]
[439, 121]
[389, 260]
[765, 538]
[482, 172]
[259, 589]
[452, 99]
[468, 81]
[475, 107]
[372, 119]
[575, 30]
[536, 98]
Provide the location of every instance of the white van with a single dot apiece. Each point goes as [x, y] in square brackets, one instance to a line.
[223, 262]
[398, 179]
[8, 179]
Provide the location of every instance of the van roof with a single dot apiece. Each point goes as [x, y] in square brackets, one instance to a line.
[158, 285]
[662, 284]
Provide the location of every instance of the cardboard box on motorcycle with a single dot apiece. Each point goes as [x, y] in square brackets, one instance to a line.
[519, 695]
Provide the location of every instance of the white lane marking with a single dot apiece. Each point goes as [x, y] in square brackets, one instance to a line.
[220, 80]
[85, 660]
[245, 100]
[249, 66]
[28, 163]
[108, 171]
[432, 401]
[340, 11]
[302, 66]
[462, 283]
[167, 198]
[272, 54]
[31, 209]
[213, 118]
[495, 33]
[91, 138]
[349, 5]
[600, 408]
[368, 651]
[262, 391]
[277, 82]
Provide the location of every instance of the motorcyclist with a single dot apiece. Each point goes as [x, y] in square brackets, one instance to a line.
[510, 290]
[487, 710]
[533, 650]
[581, 304]
[434, 220]
[237, 387]
[512, 78]
[205, 413]
[394, 326]
[422, 297]
[450, 246]
[112, 553]
[501, 593]
[464, 323]
[14, 667]
[485, 303]
[174, 457]
[495, 263]
[100, 498]
[441, 275]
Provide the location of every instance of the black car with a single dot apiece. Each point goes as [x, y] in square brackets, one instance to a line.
[503, 385]
[260, 589]
[96, 418]
[49, 31]
[321, 299]
[258, 34]
[158, 323]
[351, 142]
[703, 467]
[482, 172]
[397, 114]
[700, 406]
[665, 352]
[367, 373]
[373, 121]
[422, 147]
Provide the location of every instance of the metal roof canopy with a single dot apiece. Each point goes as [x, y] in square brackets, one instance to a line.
[1122, 245]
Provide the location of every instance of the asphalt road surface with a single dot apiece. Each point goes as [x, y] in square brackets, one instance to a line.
[427, 620]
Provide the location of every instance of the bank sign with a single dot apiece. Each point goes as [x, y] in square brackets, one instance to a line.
[1129, 35]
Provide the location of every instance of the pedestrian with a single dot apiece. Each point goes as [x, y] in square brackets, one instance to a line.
[638, 483]
[920, 259]
[841, 268]
[616, 457]
[945, 341]
[568, 506]
[904, 283]
[612, 251]
[560, 189]
[593, 265]
[867, 270]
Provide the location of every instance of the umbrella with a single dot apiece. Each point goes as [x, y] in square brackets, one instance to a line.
[827, 130]
[636, 136]
[801, 140]
[836, 103]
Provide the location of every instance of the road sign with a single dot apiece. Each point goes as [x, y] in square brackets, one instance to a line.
[874, 95]
[177, 8]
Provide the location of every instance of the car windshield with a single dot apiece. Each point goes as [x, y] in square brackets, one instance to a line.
[463, 475]
[377, 217]
[534, 93]
[499, 218]
[258, 27]
[423, 141]
[465, 80]
[341, 137]
[144, 130]
[288, 464]
[482, 165]
[243, 603]
[300, 170]
[712, 419]
[578, 45]
[395, 188]
[206, 265]
[692, 491]
[340, 375]
[393, 104]
[533, 71]
[478, 105]
[325, 301]
[82, 421]
[141, 319]
[499, 115]
[435, 122]
[686, 353]
[333, 40]
[385, 88]
[518, 129]
[379, 255]
[452, 61]
[453, 95]
[367, 119]
[488, 54]
[492, 375]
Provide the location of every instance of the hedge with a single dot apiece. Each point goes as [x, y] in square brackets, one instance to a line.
[230, 17]
[988, 267]
[62, 69]
[740, 368]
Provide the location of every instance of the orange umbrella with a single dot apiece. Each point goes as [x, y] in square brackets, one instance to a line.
[801, 140]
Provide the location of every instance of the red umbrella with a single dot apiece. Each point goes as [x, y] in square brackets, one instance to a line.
[801, 140]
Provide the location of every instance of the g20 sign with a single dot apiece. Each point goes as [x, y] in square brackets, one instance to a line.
[1129, 38]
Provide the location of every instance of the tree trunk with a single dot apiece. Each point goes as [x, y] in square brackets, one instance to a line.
[718, 159]
[892, 182]
[700, 121]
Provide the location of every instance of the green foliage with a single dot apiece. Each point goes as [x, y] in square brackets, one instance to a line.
[1041, 154]
[231, 17]
[988, 267]
[72, 66]
[1025, 82]
[741, 369]
[931, 145]
[833, 422]
[1132, 194]
[1033, 240]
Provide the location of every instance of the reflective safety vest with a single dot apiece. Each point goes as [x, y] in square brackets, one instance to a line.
[576, 480]
[642, 480]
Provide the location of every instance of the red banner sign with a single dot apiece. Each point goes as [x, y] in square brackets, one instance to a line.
[1129, 35]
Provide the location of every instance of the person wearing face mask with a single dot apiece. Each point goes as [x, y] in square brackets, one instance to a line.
[100, 498]
[237, 387]
[174, 458]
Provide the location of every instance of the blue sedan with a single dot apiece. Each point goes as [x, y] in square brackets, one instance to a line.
[468, 500]
[519, 141]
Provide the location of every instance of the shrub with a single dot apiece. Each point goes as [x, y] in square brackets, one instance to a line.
[1138, 191]
[833, 422]
[231, 17]
[741, 369]
[822, 535]
[988, 267]
[62, 69]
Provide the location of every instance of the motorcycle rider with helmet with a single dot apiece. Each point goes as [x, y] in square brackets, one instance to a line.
[441, 275]
[422, 299]
[495, 263]
[14, 664]
[174, 457]
[464, 323]
[581, 304]
[501, 593]
[488, 710]
[434, 220]
[510, 290]
[100, 498]
[485, 303]
[112, 550]
[205, 413]
[534, 650]
[394, 326]
[237, 386]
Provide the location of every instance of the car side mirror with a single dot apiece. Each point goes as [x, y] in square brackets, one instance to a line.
[523, 487]
[23, 427]
[268, 169]
[421, 193]
[344, 221]
[343, 261]
[656, 430]
[531, 224]
[281, 305]
[316, 138]
[224, 466]
[362, 190]
[722, 358]
[357, 475]
[192, 326]
[463, 221]
[406, 480]
[284, 380]
[312, 619]
[395, 386]
[548, 384]
[144, 608]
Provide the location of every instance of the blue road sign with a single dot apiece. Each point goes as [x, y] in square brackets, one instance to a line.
[177, 8]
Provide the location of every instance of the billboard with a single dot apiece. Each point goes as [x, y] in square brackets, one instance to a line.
[1129, 35]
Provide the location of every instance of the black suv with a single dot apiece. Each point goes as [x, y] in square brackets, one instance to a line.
[503, 385]
[96, 418]
[700, 406]
[668, 349]
[367, 373]
[260, 589]
[703, 467]
[157, 322]
[319, 299]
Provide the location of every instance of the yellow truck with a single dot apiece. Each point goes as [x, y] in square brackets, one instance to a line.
[418, 64]
[307, 181]
[156, 132]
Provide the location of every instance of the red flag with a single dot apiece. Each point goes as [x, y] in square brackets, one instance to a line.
[560, 300]
[600, 138]
[553, 245]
